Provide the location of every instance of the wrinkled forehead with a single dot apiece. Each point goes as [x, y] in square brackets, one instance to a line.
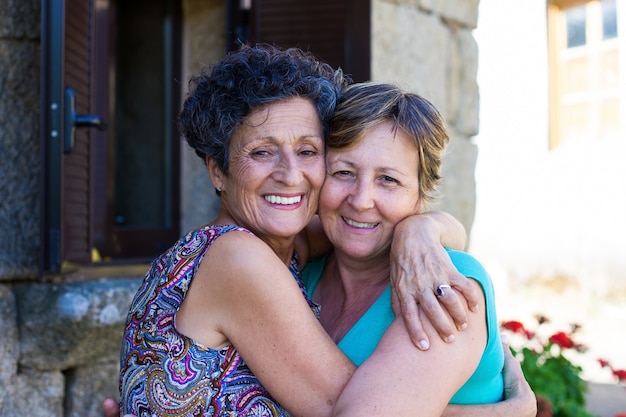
[281, 120]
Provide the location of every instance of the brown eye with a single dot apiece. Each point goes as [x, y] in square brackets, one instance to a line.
[389, 180]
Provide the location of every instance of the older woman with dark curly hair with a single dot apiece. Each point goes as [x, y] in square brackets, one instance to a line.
[221, 319]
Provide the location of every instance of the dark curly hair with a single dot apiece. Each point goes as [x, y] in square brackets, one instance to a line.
[219, 101]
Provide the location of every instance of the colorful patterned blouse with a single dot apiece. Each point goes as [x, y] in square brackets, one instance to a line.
[164, 373]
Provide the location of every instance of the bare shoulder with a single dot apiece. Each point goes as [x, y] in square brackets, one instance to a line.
[239, 250]
[233, 278]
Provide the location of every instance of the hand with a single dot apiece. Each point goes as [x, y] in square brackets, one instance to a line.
[112, 408]
[516, 388]
[418, 265]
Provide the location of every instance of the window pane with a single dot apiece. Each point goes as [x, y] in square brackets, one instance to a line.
[609, 69]
[609, 19]
[609, 118]
[576, 22]
[575, 75]
[575, 121]
[141, 161]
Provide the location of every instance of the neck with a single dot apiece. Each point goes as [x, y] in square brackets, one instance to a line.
[347, 290]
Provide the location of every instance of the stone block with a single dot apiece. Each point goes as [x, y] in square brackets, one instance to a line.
[412, 52]
[32, 394]
[458, 185]
[205, 29]
[20, 168]
[462, 12]
[464, 95]
[20, 19]
[88, 386]
[9, 342]
[70, 325]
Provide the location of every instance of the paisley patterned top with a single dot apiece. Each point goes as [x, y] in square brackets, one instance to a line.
[164, 373]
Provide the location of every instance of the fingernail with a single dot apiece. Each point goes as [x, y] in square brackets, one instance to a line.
[423, 344]
[475, 307]
[450, 338]
[463, 326]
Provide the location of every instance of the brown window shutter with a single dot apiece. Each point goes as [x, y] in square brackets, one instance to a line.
[336, 31]
[76, 230]
[66, 62]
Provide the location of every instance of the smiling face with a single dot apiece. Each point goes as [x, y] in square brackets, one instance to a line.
[276, 169]
[369, 188]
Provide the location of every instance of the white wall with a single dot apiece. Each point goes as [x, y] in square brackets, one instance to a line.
[550, 225]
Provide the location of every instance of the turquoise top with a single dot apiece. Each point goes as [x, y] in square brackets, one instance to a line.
[486, 384]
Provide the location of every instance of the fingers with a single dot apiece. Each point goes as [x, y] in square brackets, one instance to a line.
[516, 388]
[433, 308]
[454, 304]
[512, 370]
[395, 304]
[469, 292]
[111, 407]
[413, 323]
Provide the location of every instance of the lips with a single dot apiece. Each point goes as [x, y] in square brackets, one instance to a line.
[276, 199]
[359, 225]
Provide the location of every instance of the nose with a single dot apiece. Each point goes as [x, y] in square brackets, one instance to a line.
[362, 196]
[289, 170]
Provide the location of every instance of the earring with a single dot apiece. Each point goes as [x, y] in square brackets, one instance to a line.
[219, 189]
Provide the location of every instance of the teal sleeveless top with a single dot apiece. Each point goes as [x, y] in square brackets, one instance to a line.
[486, 385]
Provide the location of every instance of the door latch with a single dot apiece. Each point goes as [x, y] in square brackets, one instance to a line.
[73, 120]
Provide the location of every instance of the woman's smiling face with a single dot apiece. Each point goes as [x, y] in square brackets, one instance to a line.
[276, 169]
[369, 188]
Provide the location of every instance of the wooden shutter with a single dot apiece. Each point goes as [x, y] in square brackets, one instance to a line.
[67, 30]
[336, 31]
[76, 164]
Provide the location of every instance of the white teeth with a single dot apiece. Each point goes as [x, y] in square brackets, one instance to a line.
[360, 225]
[275, 199]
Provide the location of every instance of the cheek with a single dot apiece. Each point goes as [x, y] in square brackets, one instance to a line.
[247, 174]
[398, 209]
[330, 197]
[317, 173]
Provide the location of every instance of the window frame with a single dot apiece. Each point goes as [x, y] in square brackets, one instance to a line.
[75, 184]
[591, 52]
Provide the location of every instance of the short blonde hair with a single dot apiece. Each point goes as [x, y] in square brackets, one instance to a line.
[364, 106]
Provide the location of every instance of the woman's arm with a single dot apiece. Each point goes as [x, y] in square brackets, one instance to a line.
[400, 380]
[519, 399]
[255, 303]
[419, 264]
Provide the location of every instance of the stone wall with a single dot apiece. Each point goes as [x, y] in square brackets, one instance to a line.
[205, 43]
[19, 139]
[59, 350]
[427, 46]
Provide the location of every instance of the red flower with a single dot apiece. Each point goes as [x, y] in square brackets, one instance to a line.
[514, 326]
[544, 407]
[620, 374]
[620, 415]
[604, 363]
[562, 339]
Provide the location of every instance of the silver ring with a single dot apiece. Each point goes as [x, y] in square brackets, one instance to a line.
[440, 291]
